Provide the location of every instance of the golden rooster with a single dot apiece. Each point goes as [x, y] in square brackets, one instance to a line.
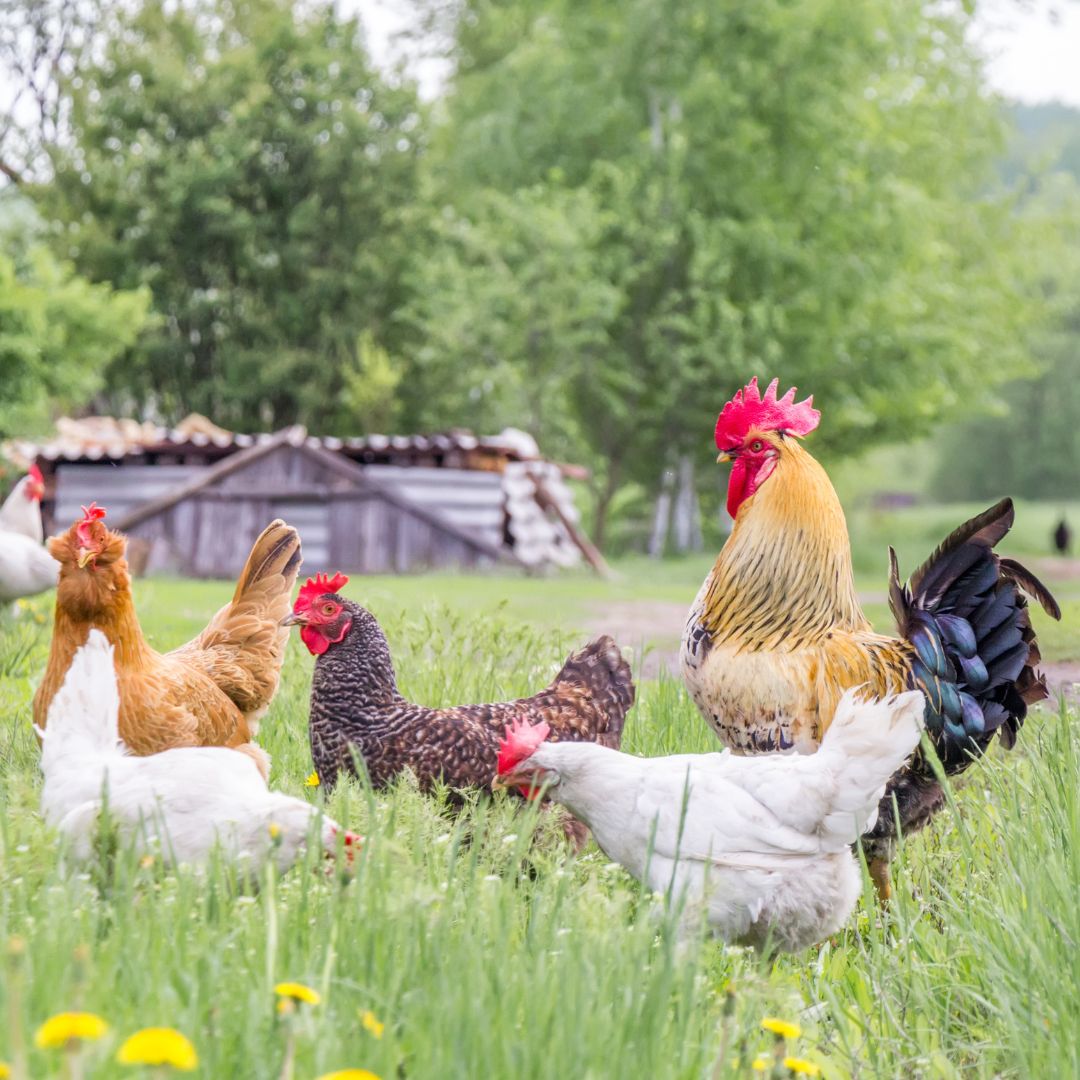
[777, 634]
[212, 691]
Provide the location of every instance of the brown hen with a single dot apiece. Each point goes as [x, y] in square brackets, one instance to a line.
[212, 691]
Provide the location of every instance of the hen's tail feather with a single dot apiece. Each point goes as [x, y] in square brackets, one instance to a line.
[84, 713]
[863, 747]
[602, 670]
[966, 617]
[275, 552]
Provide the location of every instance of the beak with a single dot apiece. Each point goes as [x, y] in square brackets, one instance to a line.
[295, 618]
[85, 555]
[499, 783]
[725, 456]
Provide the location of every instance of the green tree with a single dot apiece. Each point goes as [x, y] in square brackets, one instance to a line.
[58, 333]
[246, 163]
[789, 189]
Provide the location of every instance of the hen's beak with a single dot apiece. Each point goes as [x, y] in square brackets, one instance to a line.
[85, 555]
[295, 618]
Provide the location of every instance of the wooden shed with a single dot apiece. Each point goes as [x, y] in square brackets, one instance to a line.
[194, 499]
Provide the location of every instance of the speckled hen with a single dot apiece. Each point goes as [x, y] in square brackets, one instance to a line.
[356, 708]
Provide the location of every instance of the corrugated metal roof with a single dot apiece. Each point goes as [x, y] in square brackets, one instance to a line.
[97, 438]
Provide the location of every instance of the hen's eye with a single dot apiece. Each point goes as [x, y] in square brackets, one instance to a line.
[756, 446]
[328, 609]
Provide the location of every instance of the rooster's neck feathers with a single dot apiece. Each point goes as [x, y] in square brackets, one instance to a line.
[789, 551]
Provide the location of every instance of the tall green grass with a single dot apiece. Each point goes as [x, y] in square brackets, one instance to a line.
[488, 949]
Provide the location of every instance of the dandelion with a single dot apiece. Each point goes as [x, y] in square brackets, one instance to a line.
[801, 1067]
[290, 993]
[274, 829]
[371, 1024]
[159, 1046]
[64, 1030]
[349, 1074]
[5, 1071]
[312, 780]
[782, 1029]
[761, 1063]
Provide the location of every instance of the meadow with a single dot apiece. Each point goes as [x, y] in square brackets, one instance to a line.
[479, 945]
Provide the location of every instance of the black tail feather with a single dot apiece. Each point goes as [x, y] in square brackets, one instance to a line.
[965, 595]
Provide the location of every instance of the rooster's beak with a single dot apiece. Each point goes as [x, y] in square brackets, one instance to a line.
[85, 555]
[295, 618]
[724, 457]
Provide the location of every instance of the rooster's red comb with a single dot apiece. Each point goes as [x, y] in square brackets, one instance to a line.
[522, 740]
[318, 586]
[35, 474]
[748, 409]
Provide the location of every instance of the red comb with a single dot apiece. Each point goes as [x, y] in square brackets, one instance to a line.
[91, 513]
[748, 409]
[522, 741]
[35, 474]
[318, 586]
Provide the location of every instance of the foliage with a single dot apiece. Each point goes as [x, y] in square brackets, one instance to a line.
[246, 164]
[58, 332]
[791, 189]
[484, 950]
[1031, 445]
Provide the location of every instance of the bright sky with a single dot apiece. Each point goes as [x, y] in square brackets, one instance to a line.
[1033, 45]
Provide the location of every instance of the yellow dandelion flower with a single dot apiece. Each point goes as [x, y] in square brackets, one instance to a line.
[801, 1067]
[349, 1074]
[297, 992]
[761, 1063]
[5, 1070]
[159, 1046]
[274, 830]
[371, 1023]
[312, 780]
[782, 1029]
[68, 1027]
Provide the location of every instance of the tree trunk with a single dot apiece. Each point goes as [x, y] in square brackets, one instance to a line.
[687, 509]
[662, 516]
[603, 505]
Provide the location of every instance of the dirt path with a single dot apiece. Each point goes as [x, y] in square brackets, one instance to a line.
[653, 628]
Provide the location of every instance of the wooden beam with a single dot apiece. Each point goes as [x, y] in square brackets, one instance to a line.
[577, 534]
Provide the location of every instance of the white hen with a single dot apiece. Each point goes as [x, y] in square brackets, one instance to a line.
[181, 803]
[761, 845]
[26, 568]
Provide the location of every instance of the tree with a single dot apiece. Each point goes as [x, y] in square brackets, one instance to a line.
[58, 333]
[247, 165]
[790, 189]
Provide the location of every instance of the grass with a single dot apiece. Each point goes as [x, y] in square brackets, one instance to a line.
[487, 948]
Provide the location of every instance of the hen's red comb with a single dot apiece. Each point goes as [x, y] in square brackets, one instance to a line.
[35, 474]
[318, 586]
[522, 741]
[91, 513]
[748, 409]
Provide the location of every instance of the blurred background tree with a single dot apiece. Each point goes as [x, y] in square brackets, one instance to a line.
[610, 218]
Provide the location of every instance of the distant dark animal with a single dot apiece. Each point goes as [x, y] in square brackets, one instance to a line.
[1062, 537]
[357, 710]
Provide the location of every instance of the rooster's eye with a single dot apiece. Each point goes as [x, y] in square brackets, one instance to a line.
[756, 446]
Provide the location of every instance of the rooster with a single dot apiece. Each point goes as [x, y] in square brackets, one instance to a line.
[184, 803]
[212, 691]
[777, 634]
[357, 711]
[25, 566]
[763, 844]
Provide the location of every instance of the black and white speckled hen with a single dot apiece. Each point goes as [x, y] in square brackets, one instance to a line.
[357, 710]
